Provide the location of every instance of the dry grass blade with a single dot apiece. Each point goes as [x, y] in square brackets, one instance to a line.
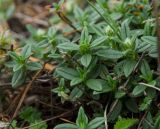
[24, 94]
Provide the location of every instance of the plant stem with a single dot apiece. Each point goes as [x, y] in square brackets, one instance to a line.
[151, 86]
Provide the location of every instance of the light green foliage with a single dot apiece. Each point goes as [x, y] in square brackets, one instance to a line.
[30, 114]
[33, 117]
[125, 123]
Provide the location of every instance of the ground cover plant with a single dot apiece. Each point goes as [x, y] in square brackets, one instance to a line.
[93, 65]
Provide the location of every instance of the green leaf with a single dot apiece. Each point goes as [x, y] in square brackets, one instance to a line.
[95, 123]
[13, 125]
[17, 67]
[54, 56]
[157, 123]
[107, 18]
[110, 54]
[14, 56]
[34, 66]
[82, 119]
[125, 30]
[30, 114]
[18, 78]
[10, 11]
[84, 36]
[138, 90]
[94, 84]
[86, 59]
[67, 73]
[148, 122]
[75, 81]
[125, 123]
[146, 71]
[132, 105]
[66, 126]
[68, 46]
[128, 67]
[39, 124]
[153, 52]
[51, 32]
[31, 29]
[106, 87]
[119, 94]
[141, 47]
[116, 111]
[145, 104]
[150, 40]
[147, 28]
[98, 41]
[78, 12]
[75, 94]
[10, 64]
[26, 51]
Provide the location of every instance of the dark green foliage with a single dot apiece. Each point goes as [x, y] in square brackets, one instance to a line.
[109, 60]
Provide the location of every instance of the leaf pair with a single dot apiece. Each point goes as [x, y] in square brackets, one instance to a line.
[82, 122]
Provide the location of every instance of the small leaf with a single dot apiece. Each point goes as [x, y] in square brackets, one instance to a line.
[68, 46]
[157, 123]
[128, 67]
[146, 71]
[39, 124]
[116, 111]
[75, 81]
[98, 41]
[14, 55]
[147, 28]
[26, 51]
[84, 35]
[132, 105]
[54, 56]
[95, 123]
[145, 104]
[17, 67]
[125, 123]
[18, 78]
[147, 124]
[66, 126]
[110, 54]
[86, 59]
[94, 84]
[143, 47]
[30, 114]
[82, 119]
[119, 94]
[150, 40]
[105, 87]
[138, 90]
[10, 64]
[67, 73]
[10, 11]
[153, 52]
[75, 94]
[125, 30]
[34, 66]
